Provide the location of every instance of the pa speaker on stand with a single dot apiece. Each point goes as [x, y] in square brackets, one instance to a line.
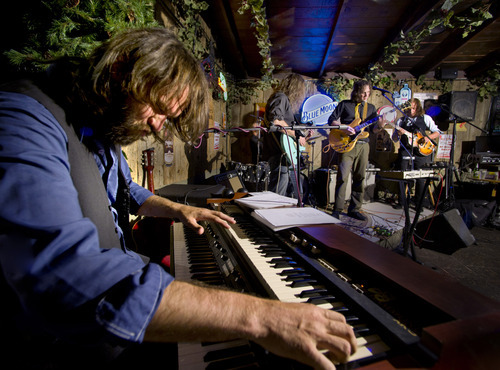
[460, 103]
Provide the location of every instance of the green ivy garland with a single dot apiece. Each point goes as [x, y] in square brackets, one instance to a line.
[262, 35]
[244, 90]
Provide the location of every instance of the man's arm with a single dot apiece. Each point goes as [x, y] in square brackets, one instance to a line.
[157, 206]
[295, 330]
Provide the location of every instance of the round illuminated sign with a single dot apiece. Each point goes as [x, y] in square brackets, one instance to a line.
[388, 113]
[317, 108]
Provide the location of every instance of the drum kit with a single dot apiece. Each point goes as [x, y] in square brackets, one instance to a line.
[256, 176]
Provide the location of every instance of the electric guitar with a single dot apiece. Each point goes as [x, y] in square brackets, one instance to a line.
[342, 142]
[290, 148]
[424, 147]
[149, 233]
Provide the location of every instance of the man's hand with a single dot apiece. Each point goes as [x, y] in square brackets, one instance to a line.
[157, 206]
[303, 331]
[347, 129]
[190, 216]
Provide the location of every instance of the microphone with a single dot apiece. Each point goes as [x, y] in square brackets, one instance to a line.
[382, 90]
[274, 128]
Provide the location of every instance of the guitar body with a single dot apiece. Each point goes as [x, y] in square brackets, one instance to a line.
[290, 149]
[342, 142]
[151, 236]
[424, 148]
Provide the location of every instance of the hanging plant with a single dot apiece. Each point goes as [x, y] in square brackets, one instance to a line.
[74, 28]
[259, 21]
[243, 91]
[488, 83]
[335, 87]
[190, 32]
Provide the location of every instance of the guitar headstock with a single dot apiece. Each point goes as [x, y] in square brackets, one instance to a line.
[148, 159]
[405, 105]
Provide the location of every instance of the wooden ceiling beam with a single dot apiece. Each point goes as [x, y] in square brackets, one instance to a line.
[330, 39]
[489, 61]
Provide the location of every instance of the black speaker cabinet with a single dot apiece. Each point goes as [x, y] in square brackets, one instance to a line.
[446, 73]
[447, 233]
[460, 103]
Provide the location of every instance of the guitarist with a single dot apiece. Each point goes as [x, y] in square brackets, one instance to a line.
[409, 157]
[281, 107]
[352, 112]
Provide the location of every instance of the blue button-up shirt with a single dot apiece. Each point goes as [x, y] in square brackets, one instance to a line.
[49, 253]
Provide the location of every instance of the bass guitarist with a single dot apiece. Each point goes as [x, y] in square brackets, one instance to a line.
[281, 108]
[352, 112]
[416, 123]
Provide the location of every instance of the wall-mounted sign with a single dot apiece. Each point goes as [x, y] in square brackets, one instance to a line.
[405, 94]
[222, 85]
[317, 108]
[388, 113]
[216, 135]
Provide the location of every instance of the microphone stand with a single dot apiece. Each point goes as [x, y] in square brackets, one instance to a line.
[409, 227]
[299, 133]
[410, 155]
[450, 170]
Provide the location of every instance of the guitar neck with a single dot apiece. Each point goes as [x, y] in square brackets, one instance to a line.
[375, 119]
[150, 181]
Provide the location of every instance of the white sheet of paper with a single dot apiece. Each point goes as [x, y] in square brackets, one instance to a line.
[266, 199]
[284, 218]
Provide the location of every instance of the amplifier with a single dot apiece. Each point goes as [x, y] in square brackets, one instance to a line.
[486, 158]
[326, 179]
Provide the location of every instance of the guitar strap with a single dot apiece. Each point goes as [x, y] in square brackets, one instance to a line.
[365, 111]
[420, 123]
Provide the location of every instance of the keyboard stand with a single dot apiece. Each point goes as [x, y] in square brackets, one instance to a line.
[409, 228]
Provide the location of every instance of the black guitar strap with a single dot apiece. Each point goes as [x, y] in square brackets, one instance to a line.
[276, 141]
